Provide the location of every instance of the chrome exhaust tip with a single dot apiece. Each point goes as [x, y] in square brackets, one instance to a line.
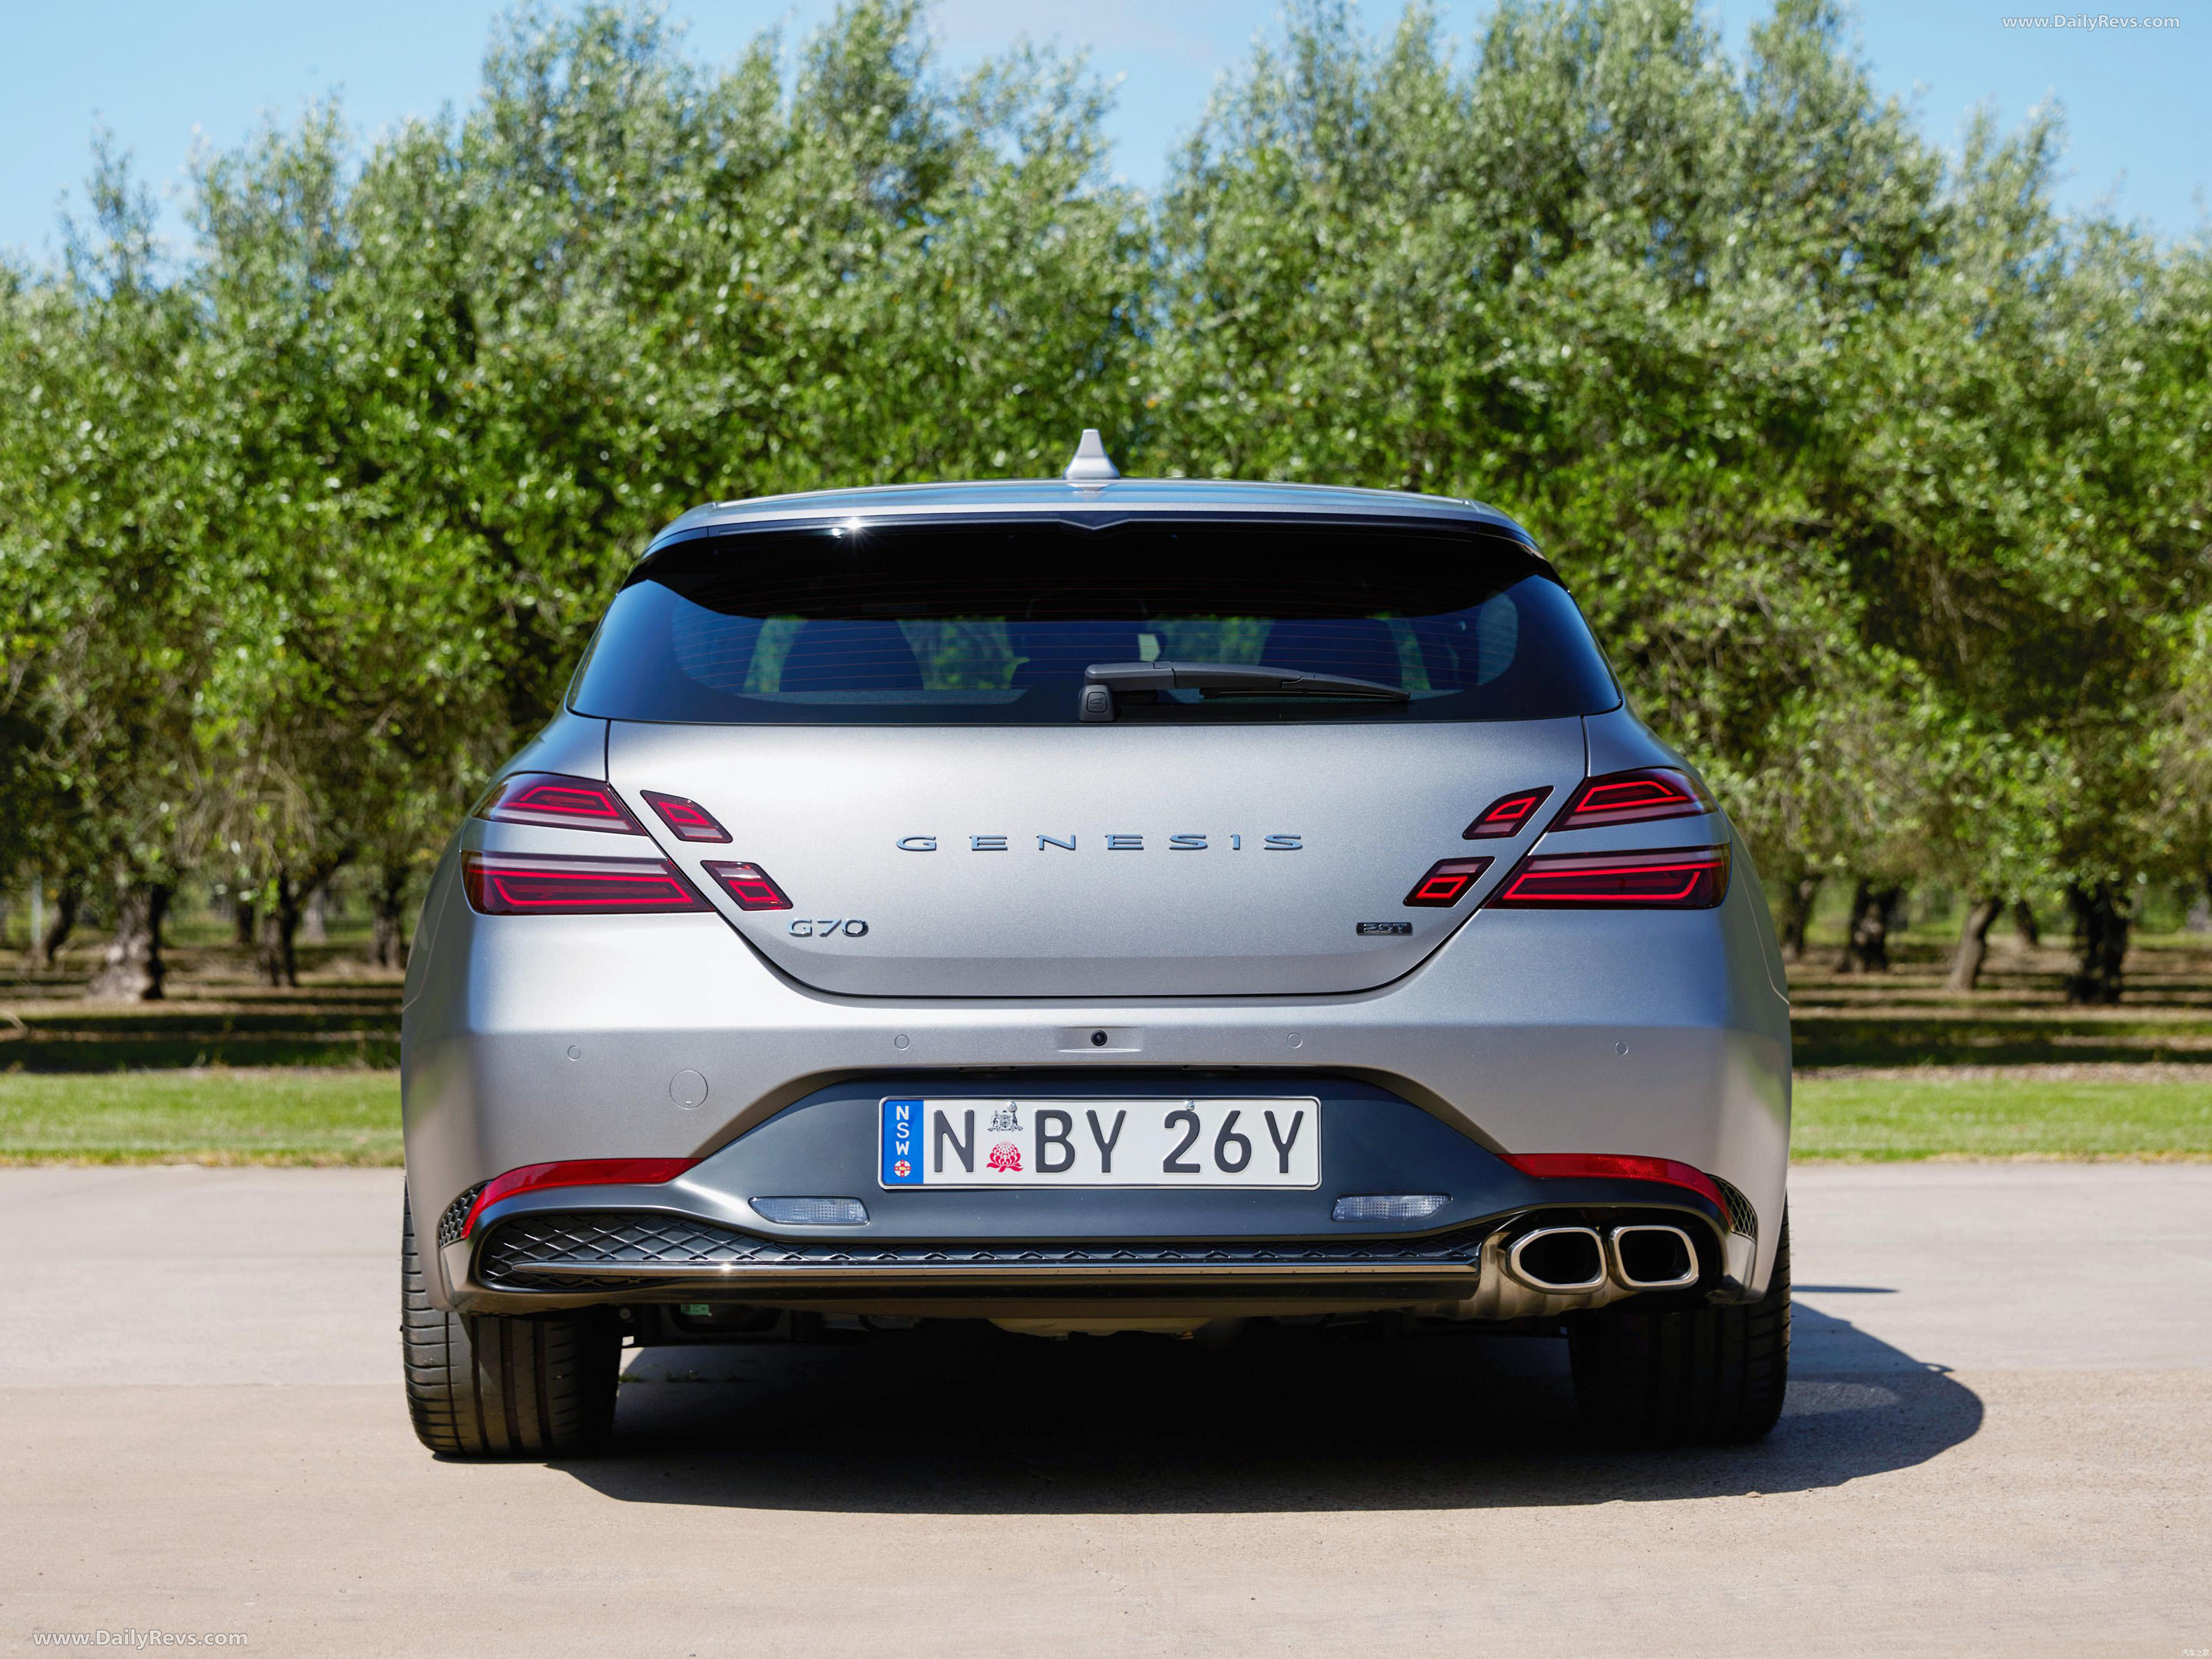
[1648, 1255]
[1558, 1261]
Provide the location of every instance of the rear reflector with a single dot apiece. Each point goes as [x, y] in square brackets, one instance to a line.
[559, 802]
[1680, 879]
[749, 884]
[1603, 1166]
[575, 1172]
[1387, 1206]
[1447, 883]
[812, 1212]
[1506, 815]
[516, 884]
[1655, 792]
[689, 820]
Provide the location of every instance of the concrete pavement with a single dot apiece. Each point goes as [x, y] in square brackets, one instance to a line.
[1996, 1442]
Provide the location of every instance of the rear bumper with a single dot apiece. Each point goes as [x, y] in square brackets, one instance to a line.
[992, 1251]
[533, 1039]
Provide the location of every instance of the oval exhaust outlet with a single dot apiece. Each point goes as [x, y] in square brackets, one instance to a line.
[1649, 1256]
[1563, 1260]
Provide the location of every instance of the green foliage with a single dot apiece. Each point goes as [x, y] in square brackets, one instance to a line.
[1885, 484]
[107, 600]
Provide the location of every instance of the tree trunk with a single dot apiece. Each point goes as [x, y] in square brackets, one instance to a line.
[1866, 948]
[46, 947]
[241, 917]
[1847, 960]
[2023, 920]
[1797, 898]
[278, 927]
[132, 969]
[315, 918]
[2101, 943]
[388, 905]
[1974, 943]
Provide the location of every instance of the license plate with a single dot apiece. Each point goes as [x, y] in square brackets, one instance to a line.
[966, 1142]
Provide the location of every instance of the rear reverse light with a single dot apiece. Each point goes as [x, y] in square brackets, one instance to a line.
[1506, 815]
[1655, 792]
[1682, 878]
[1603, 1166]
[517, 883]
[689, 820]
[575, 1172]
[1447, 883]
[562, 803]
[749, 884]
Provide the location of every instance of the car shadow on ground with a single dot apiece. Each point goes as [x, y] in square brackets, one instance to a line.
[967, 1420]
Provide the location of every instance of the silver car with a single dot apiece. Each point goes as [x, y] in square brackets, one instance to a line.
[1093, 905]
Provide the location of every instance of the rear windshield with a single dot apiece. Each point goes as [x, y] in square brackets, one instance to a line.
[986, 624]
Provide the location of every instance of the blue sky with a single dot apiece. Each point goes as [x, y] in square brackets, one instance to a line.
[156, 73]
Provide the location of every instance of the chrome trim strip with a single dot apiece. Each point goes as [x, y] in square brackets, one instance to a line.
[876, 1275]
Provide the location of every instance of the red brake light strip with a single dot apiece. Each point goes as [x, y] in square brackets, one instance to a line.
[516, 883]
[575, 1172]
[1605, 1166]
[689, 820]
[749, 884]
[1506, 815]
[1447, 883]
[1673, 879]
[1637, 797]
[559, 801]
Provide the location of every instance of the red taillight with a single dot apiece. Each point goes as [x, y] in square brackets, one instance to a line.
[689, 820]
[561, 803]
[1557, 1166]
[1683, 879]
[576, 1172]
[518, 883]
[1506, 815]
[1655, 792]
[1447, 883]
[749, 884]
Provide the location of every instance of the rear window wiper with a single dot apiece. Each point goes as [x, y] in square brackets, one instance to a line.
[1101, 680]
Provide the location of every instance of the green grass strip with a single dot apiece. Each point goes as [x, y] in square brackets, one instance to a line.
[210, 1116]
[1873, 1119]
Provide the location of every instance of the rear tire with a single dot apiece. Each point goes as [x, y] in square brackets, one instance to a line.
[489, 1385]
[1708, 1375]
